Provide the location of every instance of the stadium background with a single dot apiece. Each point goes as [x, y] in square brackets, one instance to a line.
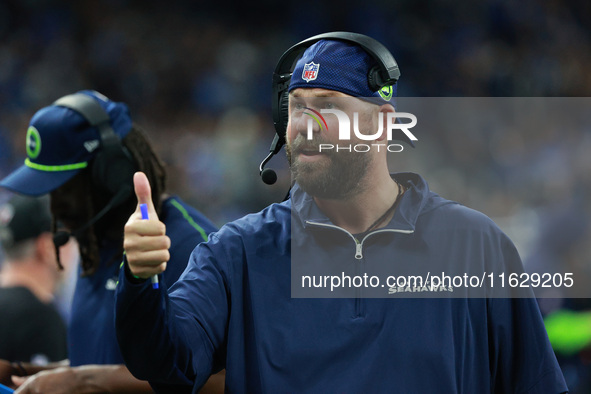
[197, 77]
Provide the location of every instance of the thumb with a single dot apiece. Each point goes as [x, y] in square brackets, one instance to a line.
[143, 193]
[18, 380]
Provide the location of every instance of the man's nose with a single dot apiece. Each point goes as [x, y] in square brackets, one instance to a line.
[307, 125]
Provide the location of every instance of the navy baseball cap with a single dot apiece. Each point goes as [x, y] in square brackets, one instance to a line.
[60, 143]
[340, 66]
[23, 218]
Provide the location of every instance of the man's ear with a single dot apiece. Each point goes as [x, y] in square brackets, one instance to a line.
[45, 248]
[385, 110]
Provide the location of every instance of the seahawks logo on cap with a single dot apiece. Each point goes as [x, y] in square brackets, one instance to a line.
[310, 72]
[33, 142]
[386, 92]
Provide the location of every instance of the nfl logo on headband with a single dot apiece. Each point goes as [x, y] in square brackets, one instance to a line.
[310, 72]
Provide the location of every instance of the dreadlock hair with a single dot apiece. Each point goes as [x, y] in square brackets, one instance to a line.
[146, 161]
[142, 152]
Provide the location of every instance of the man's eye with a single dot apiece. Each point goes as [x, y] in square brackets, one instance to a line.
[298, 106]
[329, 105]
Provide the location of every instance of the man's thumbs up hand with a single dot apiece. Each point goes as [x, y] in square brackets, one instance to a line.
[145, 241]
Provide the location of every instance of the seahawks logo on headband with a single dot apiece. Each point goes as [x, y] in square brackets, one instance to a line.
[386, 92]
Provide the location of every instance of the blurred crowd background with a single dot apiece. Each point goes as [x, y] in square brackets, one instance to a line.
[197, 77]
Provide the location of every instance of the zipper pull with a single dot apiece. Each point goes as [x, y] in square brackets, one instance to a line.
[358, 249]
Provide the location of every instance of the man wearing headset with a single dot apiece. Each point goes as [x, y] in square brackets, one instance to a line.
[83, 150]
[233, 307]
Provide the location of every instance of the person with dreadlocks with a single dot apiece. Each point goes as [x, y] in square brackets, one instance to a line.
[83, 150]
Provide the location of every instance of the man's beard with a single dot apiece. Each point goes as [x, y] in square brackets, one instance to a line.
[338, 177]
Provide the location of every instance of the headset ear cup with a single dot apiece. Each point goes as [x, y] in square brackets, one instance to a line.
[373, 79]
[283, 113]
[113, 169]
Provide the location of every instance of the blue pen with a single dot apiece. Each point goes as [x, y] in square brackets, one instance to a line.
[145, 216]
[5, 390]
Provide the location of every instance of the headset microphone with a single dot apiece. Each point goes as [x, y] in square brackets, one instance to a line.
[60, 238]
[268, 175]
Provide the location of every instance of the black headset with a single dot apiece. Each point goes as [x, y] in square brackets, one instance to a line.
[385, 73]
[112, 167]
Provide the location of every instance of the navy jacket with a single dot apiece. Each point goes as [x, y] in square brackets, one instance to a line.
[91, 330]
[233, 308]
